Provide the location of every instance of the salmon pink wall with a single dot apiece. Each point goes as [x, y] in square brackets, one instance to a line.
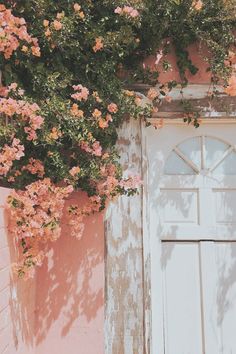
[197, 53]
[61, 311]
[70, 292]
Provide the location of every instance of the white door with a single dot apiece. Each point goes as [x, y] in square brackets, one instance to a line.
[191, 216]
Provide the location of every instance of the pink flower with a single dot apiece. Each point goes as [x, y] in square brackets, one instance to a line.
[152, 94]
[57, 25]
[132, 182]
[231, 88]
[9, 154]
[97, 149]
[197, 5]
[112, 108]
[118, 10]
[103, 123]
[96, 113]
[77, 7]
[134, 13]
[98, 44]
[13, 86]
[127, 10]
[35, 167]
[74, 171]
[82, 93]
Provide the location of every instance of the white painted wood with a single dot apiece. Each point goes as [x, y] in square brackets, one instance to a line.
[225, 295]
[182, 298]
[208, 276]
[191, 228]
[219, 296]
[125, 316]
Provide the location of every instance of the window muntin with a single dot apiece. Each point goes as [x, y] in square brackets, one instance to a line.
[202, 154]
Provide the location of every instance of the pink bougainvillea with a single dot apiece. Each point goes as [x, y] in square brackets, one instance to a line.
[10, 153]
[23, 111]
[36, 217]
[81, 93]
[13, 34]
[127, 10]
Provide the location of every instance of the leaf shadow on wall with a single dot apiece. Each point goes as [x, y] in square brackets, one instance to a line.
[69, 287]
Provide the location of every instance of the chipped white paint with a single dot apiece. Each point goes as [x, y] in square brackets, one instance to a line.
[191, 91]
[124, 277]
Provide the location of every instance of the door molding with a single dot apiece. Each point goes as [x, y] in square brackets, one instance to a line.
[163, 117]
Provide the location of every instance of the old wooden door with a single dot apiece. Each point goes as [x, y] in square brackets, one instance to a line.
[191, 218]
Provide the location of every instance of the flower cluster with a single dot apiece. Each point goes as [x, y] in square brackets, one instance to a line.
[81, 93]
[127, 11]
[36, 216]
[25, 112]
[9, 154]
[197, 5]
[35, 167]
[13, 34]
[95, 149]
[77, 214]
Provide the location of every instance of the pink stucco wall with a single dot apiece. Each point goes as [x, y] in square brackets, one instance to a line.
[197, 53]
[70, 292]
[61, 311]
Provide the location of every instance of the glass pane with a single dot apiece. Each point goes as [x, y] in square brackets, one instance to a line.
[191, 148]
[227, 166]
[175, 165]
[214, 150]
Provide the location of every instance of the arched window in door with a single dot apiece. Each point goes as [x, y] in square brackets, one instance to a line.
[202, 155]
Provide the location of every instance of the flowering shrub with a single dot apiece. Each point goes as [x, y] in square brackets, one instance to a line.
[65, 66]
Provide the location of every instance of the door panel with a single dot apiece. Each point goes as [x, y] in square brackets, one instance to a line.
[182, 298]
[225, 206]
[199, 292]
[179, 206]
[219, 296]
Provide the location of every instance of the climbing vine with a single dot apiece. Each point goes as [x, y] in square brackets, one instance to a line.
[65, 69]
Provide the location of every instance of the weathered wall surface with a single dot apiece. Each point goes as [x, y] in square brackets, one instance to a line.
[124, 265]
[17, 298]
